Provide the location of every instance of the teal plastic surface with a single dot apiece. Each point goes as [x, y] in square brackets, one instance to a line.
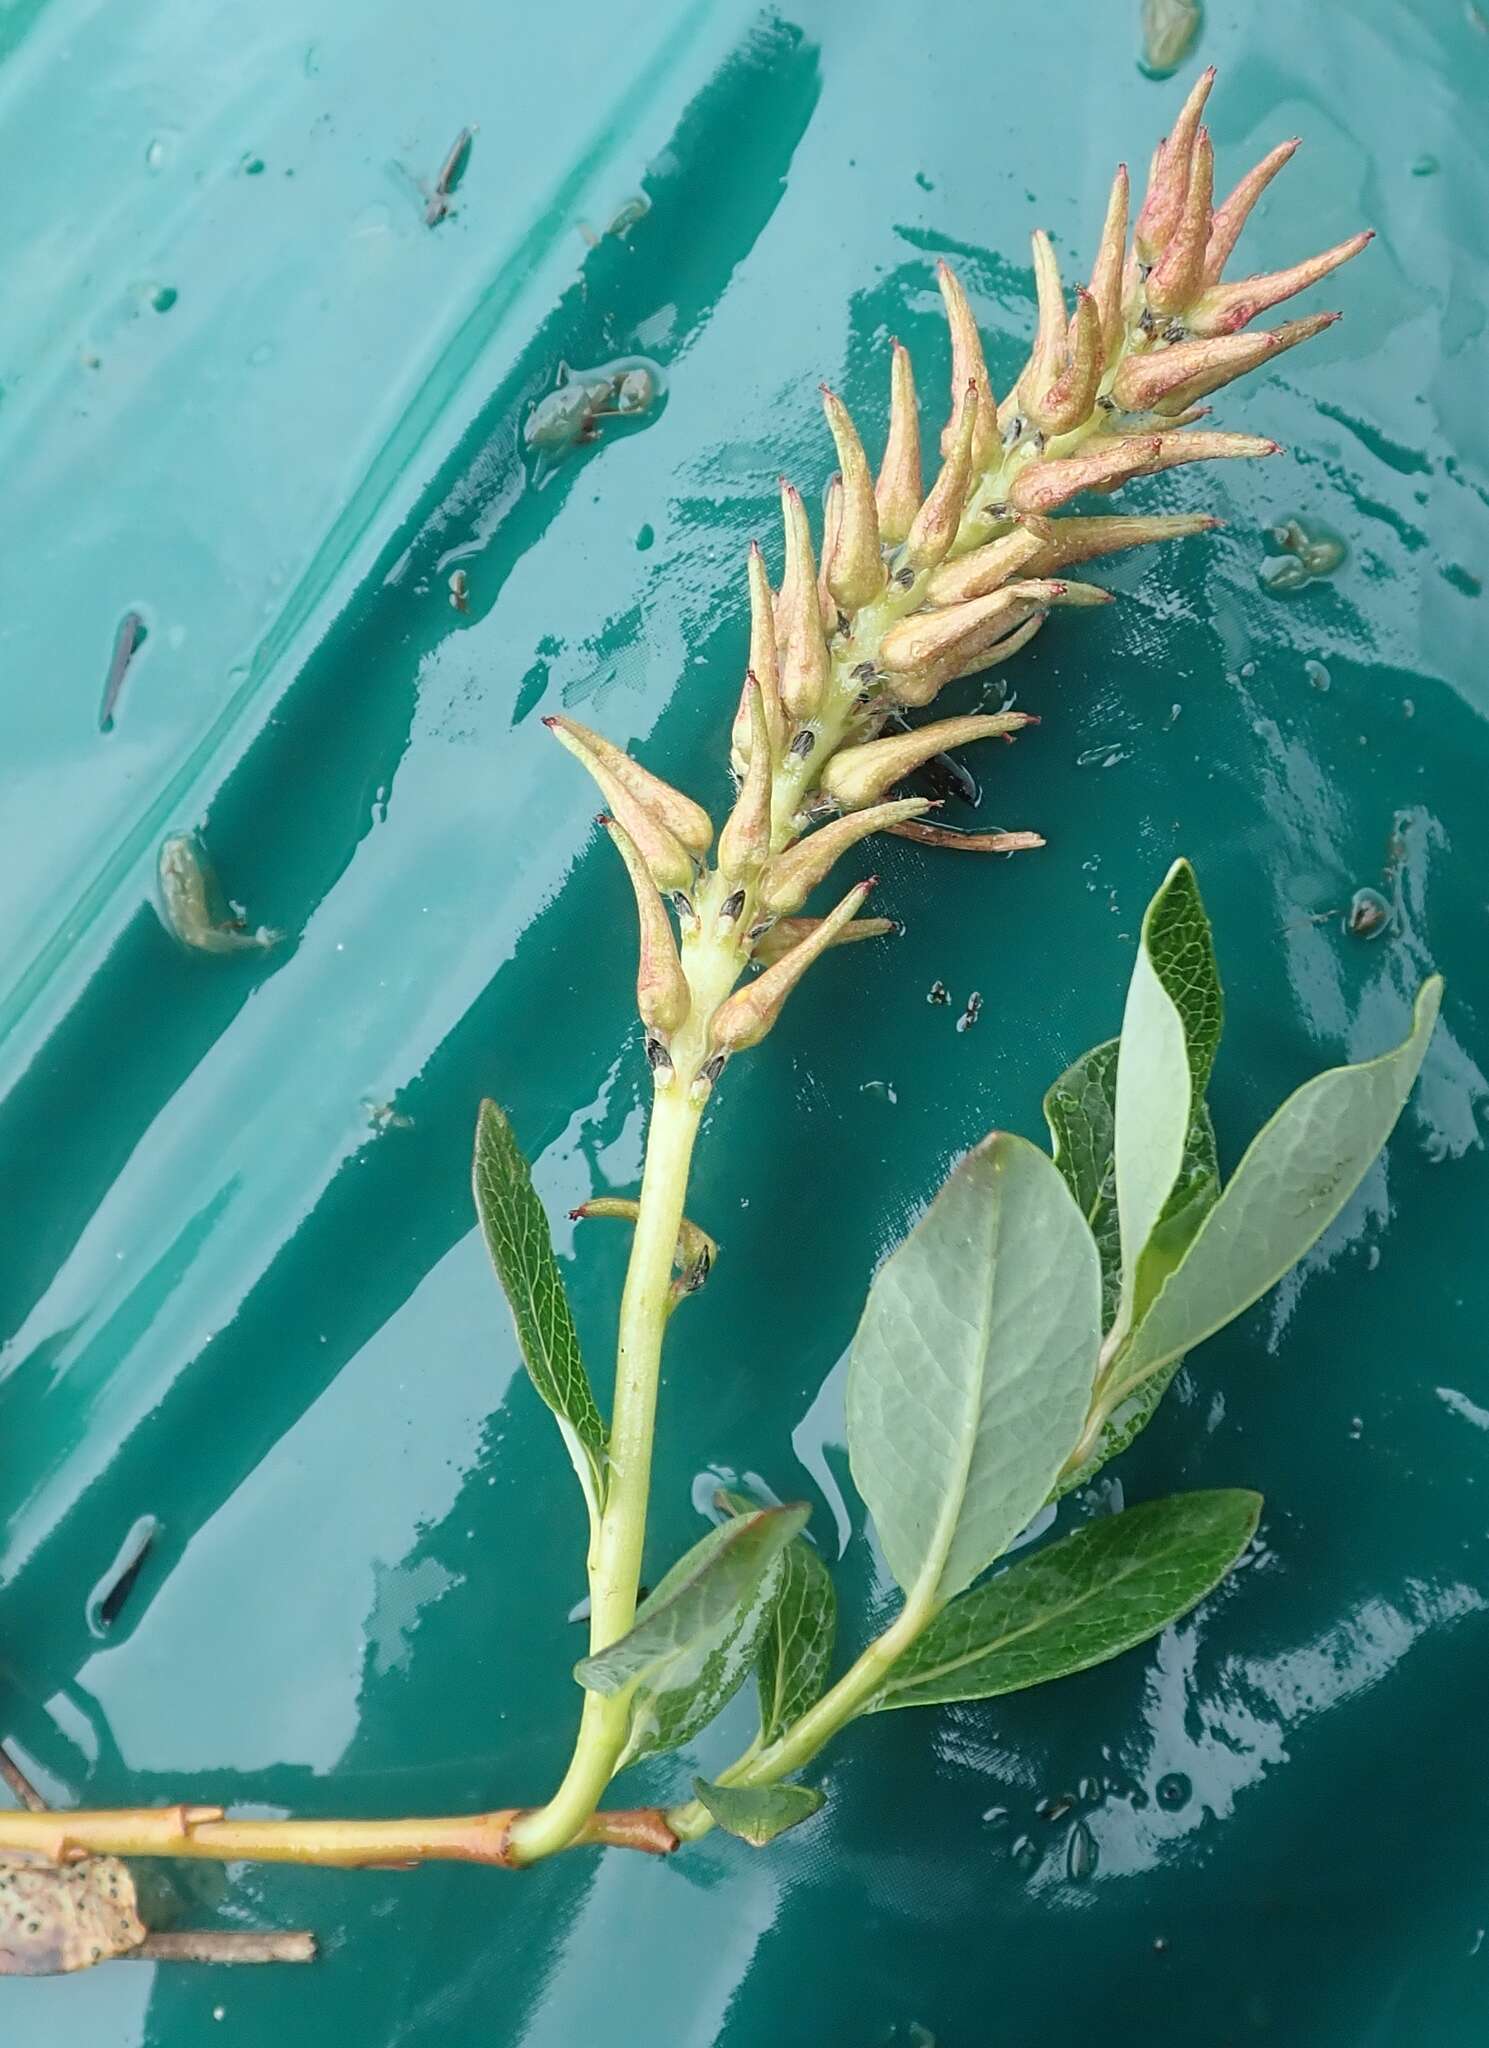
[250, 395]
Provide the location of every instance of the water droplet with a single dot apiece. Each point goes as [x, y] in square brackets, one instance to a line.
[1356, 1428]
[924, 182]
[1090, 1790]
[644, 540]
[1105, 756]
[1024, 1851]
[250, 165]
[884, 1088]
[158, 154]
[1317, 674]
[162, 297]
[1173, 715]
[1425, 166]
[1248, 670]
[972, 1012]
[1368, 915]
[1173, 1790]
[996, 1817]
[1055, 1808]
[1080, 1853]
[263, 353]
[312, 59]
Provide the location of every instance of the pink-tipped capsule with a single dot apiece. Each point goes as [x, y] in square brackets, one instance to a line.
[789, 932]
[794, 874]
[663, 998]
[1178, 277]
[669, 861]
[751, 1011]
[745, 840]
[1225, 308]
[1067, 402]
[989, 567]
[899, 490]
[862, 775]
[801, 643]
[1233, 212]
[935, 524]
[854, 566]
[968, 366]
[1106, 271]
[1168, 184]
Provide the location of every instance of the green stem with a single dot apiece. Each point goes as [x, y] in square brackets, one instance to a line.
[816, 1728]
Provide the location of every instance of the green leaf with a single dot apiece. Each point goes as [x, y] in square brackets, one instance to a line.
[1170, 1030]
[515, 1227]
[972, 1367]
[1077, 1602]
[1080, 1109]
[758, 1813]
[703, 1590]
[1298, 1173]
[796, 1648]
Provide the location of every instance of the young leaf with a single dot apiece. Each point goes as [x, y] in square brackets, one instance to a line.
[1298, 1173]
[1170, 1030]
[677, 1698]
[796, 1647]
[758, 1813]
[1077, 1602]
[704, 1590]
[1080, 1110]
[972, 1368]
[521, 1248]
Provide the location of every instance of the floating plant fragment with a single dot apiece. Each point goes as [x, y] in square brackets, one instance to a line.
[193, 904]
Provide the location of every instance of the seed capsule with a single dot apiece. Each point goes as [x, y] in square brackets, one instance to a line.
[787, 932]
[668, 859]
[663, 999]
[1226, 307]
[750, 1012]
[863, 774]
[1178, 277]
[1168, 185]
[1106, 271]
[968, 366]
[898, 492]
[1232, 214]
[686, 820]
[936, 523]
[986, 568]
[792, 875]
[801, 644]
[854, 566]
[745, 839]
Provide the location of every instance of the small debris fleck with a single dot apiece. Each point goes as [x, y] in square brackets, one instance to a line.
[972, 1012]
[1368, 914]
[938, 993]
[459, 590]
[130, 638]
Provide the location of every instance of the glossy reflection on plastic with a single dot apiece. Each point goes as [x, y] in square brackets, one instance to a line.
[245, 1305]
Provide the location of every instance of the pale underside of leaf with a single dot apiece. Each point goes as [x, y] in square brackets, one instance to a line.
[678, 1697]
[972, 1367]
[518, 1239]
[1080, 1109]
[1170, 1032]
[1296, 1176]
[1077, 1602]
[758, 1813]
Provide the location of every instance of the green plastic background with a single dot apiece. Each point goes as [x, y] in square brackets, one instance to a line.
[234, 1306]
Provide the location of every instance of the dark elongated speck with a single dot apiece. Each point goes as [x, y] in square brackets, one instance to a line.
[128, 641]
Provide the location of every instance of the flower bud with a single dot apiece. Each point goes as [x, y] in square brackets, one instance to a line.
[1168, 184]
[762, 666]
[898, 491]
[1106, 271]
[987, 567]
[853, 564]
[663, 998]
[1231, 216]
[801, 643]
[968, 366]
[745, 839]
[1225, 308]
[861, 775]
[1047, 357]
[794, 874]
[789, 932]
[750, 1012]
[648, 809]
[936, 522]
[1178, 277]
